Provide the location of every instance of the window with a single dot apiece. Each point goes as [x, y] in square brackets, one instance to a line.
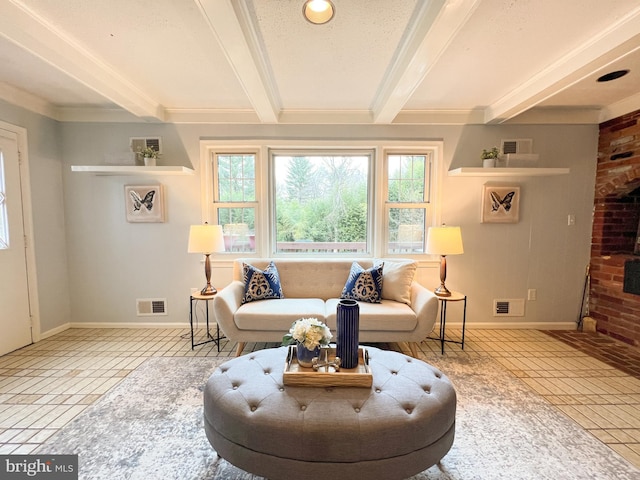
[355, 198]
[4, 227]
[407, 202]
[235, 199]
[321, 201]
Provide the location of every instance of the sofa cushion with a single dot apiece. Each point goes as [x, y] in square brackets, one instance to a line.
[397, 278]
[278, 314]
[261, 284]
[384, 316]
[364, 285]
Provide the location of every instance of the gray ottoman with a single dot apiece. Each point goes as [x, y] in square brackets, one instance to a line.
[400, 426]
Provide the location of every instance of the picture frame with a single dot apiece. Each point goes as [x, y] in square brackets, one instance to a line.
[500, 204]
[144, 203]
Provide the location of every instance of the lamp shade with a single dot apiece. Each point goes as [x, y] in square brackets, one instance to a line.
[206, 239]
[444, 240]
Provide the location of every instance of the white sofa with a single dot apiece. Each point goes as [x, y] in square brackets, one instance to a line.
[312, 288]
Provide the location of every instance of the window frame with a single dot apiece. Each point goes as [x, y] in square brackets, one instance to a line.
[377, 234]
[427, 204]
[315, 151]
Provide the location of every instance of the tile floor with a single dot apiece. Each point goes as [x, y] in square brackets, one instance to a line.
[44, 386]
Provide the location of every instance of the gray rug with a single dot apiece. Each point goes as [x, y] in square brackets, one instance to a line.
[150, 427]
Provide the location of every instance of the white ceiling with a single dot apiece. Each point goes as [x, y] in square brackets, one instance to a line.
[377, 61]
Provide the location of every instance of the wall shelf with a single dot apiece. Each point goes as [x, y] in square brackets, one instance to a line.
[506, 172]
[131, 170]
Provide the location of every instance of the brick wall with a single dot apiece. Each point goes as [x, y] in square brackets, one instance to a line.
[615, 228]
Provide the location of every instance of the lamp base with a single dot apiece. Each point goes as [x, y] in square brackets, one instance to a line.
[209, 290]
[442, 291]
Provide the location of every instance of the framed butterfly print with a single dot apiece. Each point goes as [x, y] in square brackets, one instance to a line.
[500, 204]
[144, 203]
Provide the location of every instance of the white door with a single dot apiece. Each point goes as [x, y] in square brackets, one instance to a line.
[15, 322]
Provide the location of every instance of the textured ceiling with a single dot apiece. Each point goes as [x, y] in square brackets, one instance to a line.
[377, 61]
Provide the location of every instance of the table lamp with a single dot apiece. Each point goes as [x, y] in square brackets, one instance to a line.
[206, 239]
[444, 241]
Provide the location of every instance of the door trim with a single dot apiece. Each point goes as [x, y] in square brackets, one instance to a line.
[27, 218]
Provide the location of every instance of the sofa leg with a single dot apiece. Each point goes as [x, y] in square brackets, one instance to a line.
[414, 349]
[239, 348]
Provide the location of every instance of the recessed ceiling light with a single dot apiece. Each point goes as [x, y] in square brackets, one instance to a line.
[612, 75]
[318, 11]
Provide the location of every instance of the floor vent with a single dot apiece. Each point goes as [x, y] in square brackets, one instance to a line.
[151, 306]
[508, 307]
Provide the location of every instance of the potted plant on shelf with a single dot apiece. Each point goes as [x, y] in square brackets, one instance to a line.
[489, 157]
[149, 156]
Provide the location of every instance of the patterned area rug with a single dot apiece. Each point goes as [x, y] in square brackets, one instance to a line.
[150, 427]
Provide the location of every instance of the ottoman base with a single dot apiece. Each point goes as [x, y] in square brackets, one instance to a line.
[279, 468]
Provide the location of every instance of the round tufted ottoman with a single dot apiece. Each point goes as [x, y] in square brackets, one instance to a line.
[400, 426]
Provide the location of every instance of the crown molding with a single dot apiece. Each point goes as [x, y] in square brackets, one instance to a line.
[615, 110]
[28, 101]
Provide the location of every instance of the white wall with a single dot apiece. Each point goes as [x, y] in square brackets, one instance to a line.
[112, 262]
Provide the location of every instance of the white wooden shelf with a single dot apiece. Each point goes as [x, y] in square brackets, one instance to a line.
[506, 172]
[131, 170]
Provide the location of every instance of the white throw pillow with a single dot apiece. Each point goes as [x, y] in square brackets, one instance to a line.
[397, 278]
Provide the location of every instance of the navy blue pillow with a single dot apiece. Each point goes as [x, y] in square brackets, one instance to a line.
[364, 285]
[259, 284]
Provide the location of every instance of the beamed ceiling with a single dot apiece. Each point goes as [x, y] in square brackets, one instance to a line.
[376, 62]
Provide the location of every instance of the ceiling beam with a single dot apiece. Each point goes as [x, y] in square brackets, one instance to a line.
[436, 23]
[36, 35]
[236, 35]
[612, 44]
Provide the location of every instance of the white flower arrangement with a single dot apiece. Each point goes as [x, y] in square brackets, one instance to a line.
[308, 331]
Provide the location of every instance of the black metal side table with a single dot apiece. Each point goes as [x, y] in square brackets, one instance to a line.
[195, 297]
[455, 297]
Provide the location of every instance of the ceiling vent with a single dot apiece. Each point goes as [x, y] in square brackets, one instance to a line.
[140, 143]
[147, 307]
[508, 307]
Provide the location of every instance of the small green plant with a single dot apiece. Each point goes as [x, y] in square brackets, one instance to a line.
[148, 152]
[493, 153]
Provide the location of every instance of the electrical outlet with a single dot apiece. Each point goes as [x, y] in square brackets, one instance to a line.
[571, 220]
[532, 294]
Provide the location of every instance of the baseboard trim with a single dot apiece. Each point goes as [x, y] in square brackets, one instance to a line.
[514, 325]
[133, 325]
[54, 331]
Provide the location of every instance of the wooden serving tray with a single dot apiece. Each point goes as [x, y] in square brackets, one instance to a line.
[297, 376]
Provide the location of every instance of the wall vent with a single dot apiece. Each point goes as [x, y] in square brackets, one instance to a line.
[508, 307]
[147, 307]
[519, 145]
[138, 143]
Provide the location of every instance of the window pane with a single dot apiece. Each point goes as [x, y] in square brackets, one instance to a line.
[238, 227]
[321, 202]
[406, 177]
[4, 227]
[406, 230]
[236, 177]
